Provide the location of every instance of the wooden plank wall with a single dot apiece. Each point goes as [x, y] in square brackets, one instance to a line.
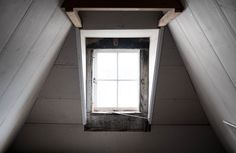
[205, 34]
[179, 123]
[12, 12]
[31, 35]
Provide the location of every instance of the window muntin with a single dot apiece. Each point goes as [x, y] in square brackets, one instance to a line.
[116, 80]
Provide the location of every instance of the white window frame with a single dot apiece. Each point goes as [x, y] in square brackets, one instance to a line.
[155, 35]
[96, 109]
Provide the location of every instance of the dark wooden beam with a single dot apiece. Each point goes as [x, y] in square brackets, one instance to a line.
[161, 4]
[124, 5]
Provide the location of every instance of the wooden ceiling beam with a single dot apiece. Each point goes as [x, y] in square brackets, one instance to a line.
[172, 7]
[74, 18]
[168, 17]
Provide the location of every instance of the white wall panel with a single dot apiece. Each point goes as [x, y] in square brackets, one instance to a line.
[26, 61]
[218, 32]
[18, 49]
[206, 43]
[12, 12]
[228, 8]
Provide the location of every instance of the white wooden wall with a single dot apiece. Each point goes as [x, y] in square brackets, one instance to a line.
[179, 123]
[31, 33]
[206, 36]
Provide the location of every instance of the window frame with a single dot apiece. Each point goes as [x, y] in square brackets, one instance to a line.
[96, 109]
[156, 37]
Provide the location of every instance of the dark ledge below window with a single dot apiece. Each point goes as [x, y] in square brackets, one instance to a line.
[116, 122]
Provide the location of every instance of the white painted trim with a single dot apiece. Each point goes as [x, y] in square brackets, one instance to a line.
[128, 33]
[155, 75]
[82, 75]
[230, 124]
[154, 56]
[122, 9]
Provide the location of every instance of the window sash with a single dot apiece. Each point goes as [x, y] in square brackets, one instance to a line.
[95, 108]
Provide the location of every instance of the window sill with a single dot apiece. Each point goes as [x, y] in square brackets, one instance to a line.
[116, 112]
[117, 122]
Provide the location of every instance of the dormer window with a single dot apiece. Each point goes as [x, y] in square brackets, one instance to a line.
[118, 70]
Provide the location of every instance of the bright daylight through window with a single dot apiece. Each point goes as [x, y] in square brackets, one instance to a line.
[116, 80]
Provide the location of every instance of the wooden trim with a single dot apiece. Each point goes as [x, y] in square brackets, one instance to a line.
[71, 4]
[74, 18]
[168, 17]
[230, 124]
[172, 7]
[156, 65]
[121, 9]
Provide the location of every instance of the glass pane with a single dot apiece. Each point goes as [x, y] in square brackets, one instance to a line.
[128, 65]
[128, 94]
[106, 94]
[106, 65]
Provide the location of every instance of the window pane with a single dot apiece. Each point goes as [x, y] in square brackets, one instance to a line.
[128, 94]
[128, 64]
[106, 65]
[106, 94]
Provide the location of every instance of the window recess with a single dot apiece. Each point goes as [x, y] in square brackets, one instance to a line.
[118, 73]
